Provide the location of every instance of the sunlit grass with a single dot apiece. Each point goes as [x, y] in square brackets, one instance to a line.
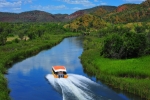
[16, 37]
[131, 75]
[136, 67]
[12, 38]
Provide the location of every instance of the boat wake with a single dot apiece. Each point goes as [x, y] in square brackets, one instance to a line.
[77, 87]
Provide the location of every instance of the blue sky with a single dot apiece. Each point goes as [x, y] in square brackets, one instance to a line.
[57, 6]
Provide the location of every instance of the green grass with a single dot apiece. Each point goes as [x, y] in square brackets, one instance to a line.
[136, 67]
[131, 75]
[12, 52]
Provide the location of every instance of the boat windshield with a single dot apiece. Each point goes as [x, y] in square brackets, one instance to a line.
[60, 73]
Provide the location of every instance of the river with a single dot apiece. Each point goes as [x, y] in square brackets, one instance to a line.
[31, 79]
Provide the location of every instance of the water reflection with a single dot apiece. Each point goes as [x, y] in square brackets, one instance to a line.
[26, 79]
[59, 55]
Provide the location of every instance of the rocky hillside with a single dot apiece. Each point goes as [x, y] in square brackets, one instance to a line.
[30, 16]
[101, 17]
[90, 11]
[130, 13]
[41, 16]
[122, 14]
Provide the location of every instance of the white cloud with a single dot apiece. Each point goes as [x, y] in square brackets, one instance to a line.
[16, 9]
[6, 4]
[82, 2]
[27, 1]
[49, 7]
[12, 5]
[103, 3]
[76, 8]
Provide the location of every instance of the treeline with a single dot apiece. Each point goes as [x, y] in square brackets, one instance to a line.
[5, 29]
[31, 39]
[125, 41]
[28, 30]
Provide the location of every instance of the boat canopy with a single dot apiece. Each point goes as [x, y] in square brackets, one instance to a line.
[59, 68]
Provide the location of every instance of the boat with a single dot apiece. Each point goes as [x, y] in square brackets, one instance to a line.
[59, 72]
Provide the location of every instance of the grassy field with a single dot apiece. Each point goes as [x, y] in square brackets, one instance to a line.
[131, 75]
[13, 52]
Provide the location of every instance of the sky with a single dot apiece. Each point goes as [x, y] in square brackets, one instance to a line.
[57, 6]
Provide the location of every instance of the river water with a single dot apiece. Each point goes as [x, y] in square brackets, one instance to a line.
[31, 79]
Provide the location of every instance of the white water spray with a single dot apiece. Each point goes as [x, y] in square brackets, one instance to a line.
[77, 87]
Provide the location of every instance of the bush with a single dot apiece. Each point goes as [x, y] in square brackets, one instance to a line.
[129, 45]
[112, 46]
[134, 44]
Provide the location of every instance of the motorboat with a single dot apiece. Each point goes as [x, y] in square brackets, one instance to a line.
[59, 72]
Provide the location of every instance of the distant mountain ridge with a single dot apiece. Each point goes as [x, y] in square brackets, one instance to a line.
[41, 16]
[29, 16]
[90, 10]
[102, 17]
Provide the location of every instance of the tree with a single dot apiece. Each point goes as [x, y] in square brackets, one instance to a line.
[134, 44]
[129, 45]
[112, 46]
[3, 38]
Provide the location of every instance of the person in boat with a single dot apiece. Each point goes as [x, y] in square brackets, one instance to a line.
[60, 74]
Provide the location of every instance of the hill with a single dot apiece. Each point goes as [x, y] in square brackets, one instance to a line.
[122, 14]
[126, 13]
[41, 16]
[31, 16]
[90, 11]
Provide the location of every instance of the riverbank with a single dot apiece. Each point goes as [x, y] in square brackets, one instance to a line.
[131, 75]
[13, 52]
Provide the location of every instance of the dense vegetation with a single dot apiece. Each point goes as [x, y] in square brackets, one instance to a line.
[126, 13]
[20, 40]
[121, 41]
[118, 53]
[116, 46]
[125, 41]
[119, 57]
[28, 30]
[131, 75]
[86, 23]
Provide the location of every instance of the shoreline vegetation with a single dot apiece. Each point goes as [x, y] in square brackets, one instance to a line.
[128, 74]
[131, 75]
[14, 53]
[22, 40]
[116, 45]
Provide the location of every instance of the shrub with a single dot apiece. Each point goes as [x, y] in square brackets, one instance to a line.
[134, 44]
[129, 45]
[112, 46]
